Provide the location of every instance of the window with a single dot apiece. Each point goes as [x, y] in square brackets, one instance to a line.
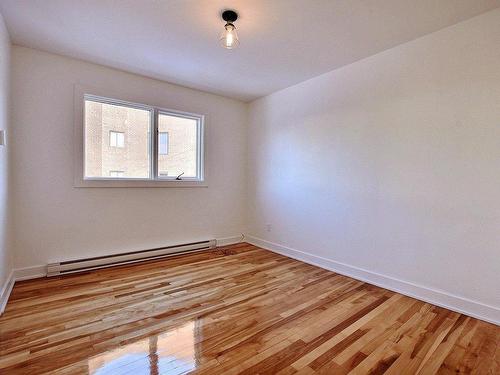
[105, 119]
[180, 159]
[116, 139]
[163, 143]
[138, 142]
[116, 173]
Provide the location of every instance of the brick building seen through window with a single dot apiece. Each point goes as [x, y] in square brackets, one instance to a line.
[118, 138]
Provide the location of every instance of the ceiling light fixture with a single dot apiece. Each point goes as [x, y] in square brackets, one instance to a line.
[229, 38]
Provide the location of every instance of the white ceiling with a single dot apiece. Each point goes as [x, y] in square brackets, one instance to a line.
[283, 42]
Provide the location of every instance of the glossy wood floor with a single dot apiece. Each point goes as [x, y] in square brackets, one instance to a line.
[235, 310]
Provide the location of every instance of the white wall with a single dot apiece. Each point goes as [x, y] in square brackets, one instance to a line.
[5, 201]
[390, 164]
[54, 220]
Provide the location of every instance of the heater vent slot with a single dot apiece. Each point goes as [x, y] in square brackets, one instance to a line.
[80, 265]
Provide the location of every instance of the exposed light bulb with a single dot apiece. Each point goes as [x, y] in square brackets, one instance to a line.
[229, 38]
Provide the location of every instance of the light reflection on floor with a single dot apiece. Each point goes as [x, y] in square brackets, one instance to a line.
[170, 353]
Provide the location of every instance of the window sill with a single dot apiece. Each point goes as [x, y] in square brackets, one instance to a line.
[139, 184]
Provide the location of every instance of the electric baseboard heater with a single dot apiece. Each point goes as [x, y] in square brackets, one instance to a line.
[80, 265]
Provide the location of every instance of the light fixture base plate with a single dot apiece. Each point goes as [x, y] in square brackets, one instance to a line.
[229, 16]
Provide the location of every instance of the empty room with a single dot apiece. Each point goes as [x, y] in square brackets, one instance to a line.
[249, 187]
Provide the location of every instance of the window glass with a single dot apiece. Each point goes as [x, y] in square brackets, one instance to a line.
[119, 142]
[116, 139]
[181, 156]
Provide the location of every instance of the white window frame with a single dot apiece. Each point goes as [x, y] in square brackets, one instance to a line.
[116, 133]
[154, 180]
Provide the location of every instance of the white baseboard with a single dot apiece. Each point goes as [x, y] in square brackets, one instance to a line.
[436, 297]
[19, 274]
[5, 292]
[229, 240]
[34, 272]
[29, 273]
[440, 298]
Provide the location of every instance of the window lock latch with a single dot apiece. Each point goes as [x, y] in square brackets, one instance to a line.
[179, 176]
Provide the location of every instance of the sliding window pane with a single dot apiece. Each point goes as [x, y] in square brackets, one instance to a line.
[116, 141]
[177, 146]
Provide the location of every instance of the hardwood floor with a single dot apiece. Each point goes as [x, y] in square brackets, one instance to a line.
[235, 310]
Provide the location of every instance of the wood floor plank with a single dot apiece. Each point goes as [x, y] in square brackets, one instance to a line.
[234, 310]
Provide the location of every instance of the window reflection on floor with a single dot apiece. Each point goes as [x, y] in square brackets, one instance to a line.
[170, 353]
